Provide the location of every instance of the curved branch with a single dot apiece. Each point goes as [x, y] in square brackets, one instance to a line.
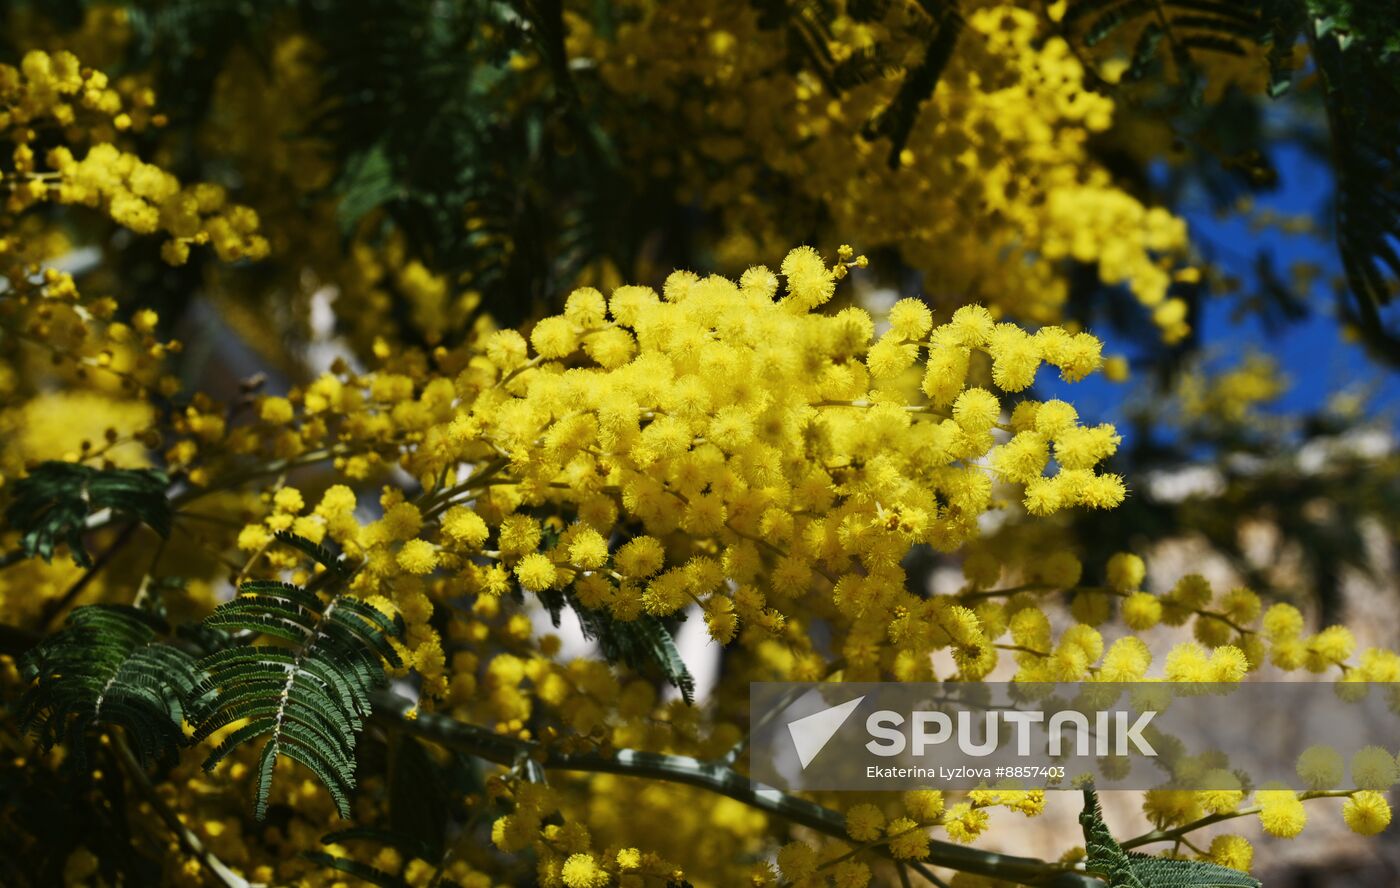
[712, 776]
[192, 843]
[1179, 832]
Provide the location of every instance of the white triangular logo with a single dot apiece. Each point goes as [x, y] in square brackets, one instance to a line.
[811, 733]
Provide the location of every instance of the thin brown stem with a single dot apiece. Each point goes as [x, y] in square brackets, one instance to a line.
[193, 845]
[1175, 833]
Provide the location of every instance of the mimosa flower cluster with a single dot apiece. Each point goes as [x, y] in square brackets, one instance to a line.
[720, 444]
[56, 91]
[995, 186]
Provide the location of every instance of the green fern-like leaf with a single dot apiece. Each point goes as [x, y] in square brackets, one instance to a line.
[402, 62]
[107, 667]
[318, 552]
[1190, 29]
[1128, 869]
[305, 700]
[366, 182]
[646, 640]
[643, 644]
[53, 502]
[1355, 49]
[1362, 95]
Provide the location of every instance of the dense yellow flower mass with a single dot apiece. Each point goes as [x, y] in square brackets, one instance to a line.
[995, 194]
[994, 187]
[751, 453]
[55, 90]
[757, 447]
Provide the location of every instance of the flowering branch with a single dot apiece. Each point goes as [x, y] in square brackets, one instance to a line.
[714, 777]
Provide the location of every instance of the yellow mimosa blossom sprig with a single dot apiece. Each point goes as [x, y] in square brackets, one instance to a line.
[56, 90]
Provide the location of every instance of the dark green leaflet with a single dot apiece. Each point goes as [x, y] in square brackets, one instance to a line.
[1129, 869]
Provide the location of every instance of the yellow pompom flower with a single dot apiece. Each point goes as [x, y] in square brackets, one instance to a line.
[507, 349]
[1060, 570]
[464, 526]
[865, 823]
[554, 337]
[1282, 621]
[1231, 851]
[1241, 605]
[588, 549]
[640, 557]
[277, 411]
[850, 874]
[889, 357]
[1367, 812]
[253, 537]
[976, 410]
[1127, 660]
[519, 535]
[1023, 458]
[1126, 572]
[1053, 418]
[1188, 662]
[809, 282]
[535, 572]
[1222, 794]
[1142, 610]
[418, 557]
[288, 500]
[1321, 767]
[910, 319]
[946, 371]
[908, 841]
[511, 833]
[1168, 806]
[1281, 813]
[924, 805]
[582, 871]
[1374, 768]
[586, 307]
[965, 823]
[973, 325]
[1328, 648]
[401, 521]
[1015, 357]
[1288, 653]
[797, 861]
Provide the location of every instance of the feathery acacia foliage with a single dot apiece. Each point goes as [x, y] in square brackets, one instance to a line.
[306, 700]
[53, 503]
[1356, 60]
[645, 644]
[107, 668]
[1360, 71]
